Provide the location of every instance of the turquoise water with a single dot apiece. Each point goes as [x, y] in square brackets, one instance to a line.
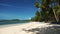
[5, 23]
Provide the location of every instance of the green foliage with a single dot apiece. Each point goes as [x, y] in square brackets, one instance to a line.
[58, 12]
[37, 13]
[37, 17]
[37, 4]
[47, 13]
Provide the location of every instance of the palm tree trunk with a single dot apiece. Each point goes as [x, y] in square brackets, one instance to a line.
[55, 15]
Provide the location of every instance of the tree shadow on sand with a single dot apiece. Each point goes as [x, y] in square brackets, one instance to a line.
[46, 30]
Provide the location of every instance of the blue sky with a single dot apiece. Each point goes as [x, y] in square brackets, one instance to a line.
[17, 9]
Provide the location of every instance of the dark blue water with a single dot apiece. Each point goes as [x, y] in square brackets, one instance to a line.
[5, 23]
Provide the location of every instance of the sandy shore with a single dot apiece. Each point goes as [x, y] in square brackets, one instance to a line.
[18, 28]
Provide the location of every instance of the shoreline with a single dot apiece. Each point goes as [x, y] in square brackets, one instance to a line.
[18, 28]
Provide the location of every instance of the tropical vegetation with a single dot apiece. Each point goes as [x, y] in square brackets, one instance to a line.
[47, 11]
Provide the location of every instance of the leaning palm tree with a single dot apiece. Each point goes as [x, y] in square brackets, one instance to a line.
[46, 5]
[54, 8]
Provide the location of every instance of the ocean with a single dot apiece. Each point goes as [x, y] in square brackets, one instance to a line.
[6, 23]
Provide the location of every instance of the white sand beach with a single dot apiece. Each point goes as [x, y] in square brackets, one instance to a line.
[18, 28]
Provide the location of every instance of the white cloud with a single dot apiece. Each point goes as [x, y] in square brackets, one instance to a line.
[8, 5]
[5, 4]
[29, 18]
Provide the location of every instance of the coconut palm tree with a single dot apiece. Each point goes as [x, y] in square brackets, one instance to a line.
[48, 7]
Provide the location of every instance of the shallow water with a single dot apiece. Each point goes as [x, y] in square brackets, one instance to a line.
[6, 23]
